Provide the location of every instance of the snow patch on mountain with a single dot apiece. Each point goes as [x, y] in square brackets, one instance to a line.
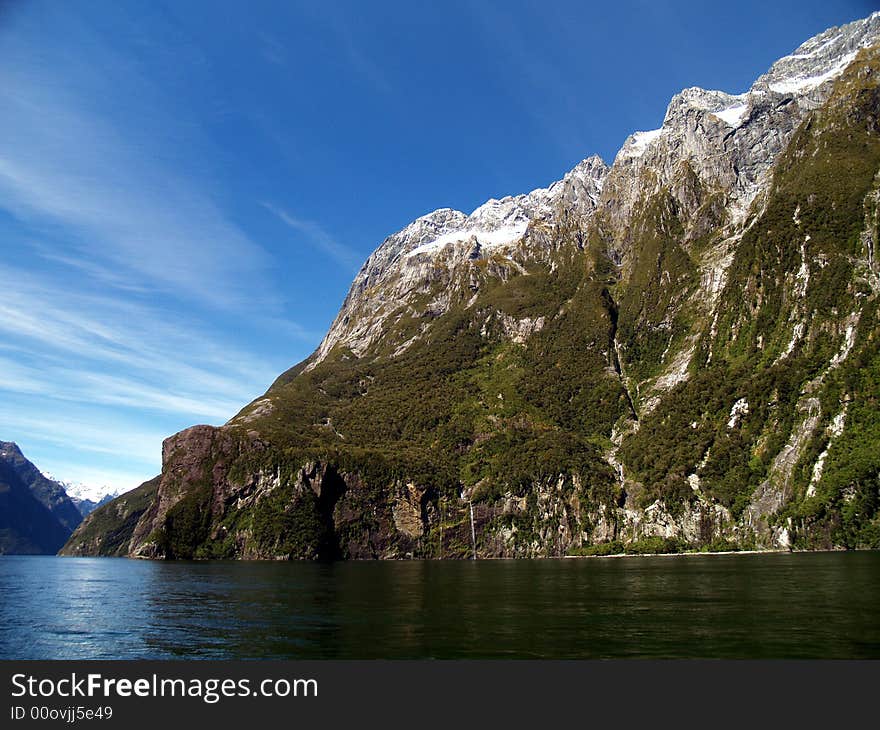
[637, 143]
[500, 222]
[733, 116]
[485, 239]
[799, 84]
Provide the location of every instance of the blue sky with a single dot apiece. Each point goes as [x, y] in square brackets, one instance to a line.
[188, 188]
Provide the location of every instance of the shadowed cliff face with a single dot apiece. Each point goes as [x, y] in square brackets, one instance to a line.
[36, 515]
[677, 351]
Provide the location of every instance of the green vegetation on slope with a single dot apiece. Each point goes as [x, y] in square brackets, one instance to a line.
[386, 454]
[107, 530]
[813, 219]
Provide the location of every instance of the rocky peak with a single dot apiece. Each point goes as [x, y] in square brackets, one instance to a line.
[10, 450]
[731, 141]
[437, 245]
[498, 221]
[724, 106]
[820, 59]
[581, 187]
[727, 142]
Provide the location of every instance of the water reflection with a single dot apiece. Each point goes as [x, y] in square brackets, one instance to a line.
[805, 605]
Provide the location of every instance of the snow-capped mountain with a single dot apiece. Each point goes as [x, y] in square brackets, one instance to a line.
[86, 497]
[731, 141]
[681, 350]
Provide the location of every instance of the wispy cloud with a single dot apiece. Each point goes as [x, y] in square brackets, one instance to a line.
[103, 275]
[95, 375]
[319, 238]
[173, 365]
[116, 453]
[73, 154]
[67, 384]
[138, 444]
[136, 303]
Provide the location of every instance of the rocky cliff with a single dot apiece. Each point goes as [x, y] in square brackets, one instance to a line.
[679, 350]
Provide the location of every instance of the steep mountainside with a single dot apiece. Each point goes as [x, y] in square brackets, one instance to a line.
[36, 516]
[680, 350]
[107, 529]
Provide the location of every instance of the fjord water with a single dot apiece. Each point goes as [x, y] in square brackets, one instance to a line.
[804, 605]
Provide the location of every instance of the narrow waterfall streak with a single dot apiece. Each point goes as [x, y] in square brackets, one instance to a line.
[440, 504]
[473, 532]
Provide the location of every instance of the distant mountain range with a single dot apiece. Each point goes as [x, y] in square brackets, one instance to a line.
[680, 350]
[87, 498]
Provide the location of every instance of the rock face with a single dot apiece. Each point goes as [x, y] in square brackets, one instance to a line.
[681, 349]
[36, 515]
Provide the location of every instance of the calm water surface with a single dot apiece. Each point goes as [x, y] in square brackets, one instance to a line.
[746, 606]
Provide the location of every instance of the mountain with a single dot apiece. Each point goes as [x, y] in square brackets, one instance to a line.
[681, 350]
[36, 515]
[86, 498]
[87, 506]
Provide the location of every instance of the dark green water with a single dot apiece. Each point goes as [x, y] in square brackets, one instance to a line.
[819, 605]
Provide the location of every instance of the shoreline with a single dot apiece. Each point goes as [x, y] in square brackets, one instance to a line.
[697, 553]
[689, 553]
